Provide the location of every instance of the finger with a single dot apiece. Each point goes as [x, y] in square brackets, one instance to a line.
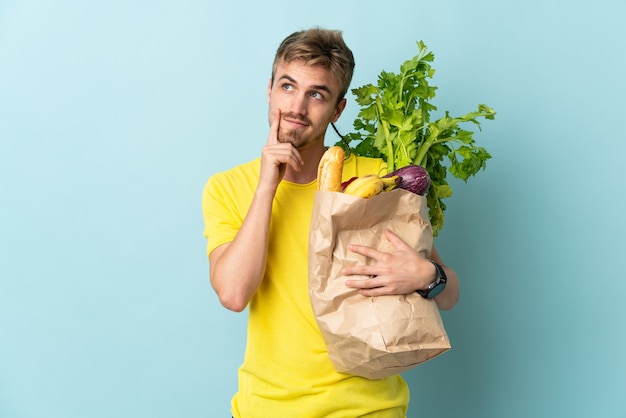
[298, 162]
[379, 286]
[364, 250]
[369, 287]
[275, 158]
[285, 153]
[371, 283]
[395, 240]
[274, 125]
[293, 158]
[359, 270]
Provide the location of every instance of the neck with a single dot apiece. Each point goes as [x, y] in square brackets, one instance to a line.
[308, 172]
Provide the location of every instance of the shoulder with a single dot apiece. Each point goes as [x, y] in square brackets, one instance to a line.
[242, 173]
[235, 184]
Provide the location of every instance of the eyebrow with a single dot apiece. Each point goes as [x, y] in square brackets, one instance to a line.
[315, 87]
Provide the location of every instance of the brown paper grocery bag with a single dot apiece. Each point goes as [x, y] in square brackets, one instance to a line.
[373, 337]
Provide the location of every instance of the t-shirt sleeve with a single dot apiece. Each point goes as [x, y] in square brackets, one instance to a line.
[221, 215]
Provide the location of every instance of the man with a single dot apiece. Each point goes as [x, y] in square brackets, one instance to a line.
[257, 219]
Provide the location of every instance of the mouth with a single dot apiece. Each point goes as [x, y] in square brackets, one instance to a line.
[296, 122]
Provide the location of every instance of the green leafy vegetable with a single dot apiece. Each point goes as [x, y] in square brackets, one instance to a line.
[394, 123]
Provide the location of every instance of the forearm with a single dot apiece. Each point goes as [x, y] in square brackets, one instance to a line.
[450, 295]
[238, 267]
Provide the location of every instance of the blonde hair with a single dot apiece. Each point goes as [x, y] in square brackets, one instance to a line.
[317, 46]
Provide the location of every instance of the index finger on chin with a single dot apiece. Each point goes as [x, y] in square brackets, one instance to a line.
[274, 125]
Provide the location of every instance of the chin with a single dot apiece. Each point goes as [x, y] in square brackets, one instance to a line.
[295, 140]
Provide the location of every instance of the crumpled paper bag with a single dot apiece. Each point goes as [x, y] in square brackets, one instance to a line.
[372, 337]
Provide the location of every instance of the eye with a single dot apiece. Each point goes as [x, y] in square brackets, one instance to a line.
[287, 86]
[317, 95]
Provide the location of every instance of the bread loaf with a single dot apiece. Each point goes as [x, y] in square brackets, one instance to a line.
[330, 170]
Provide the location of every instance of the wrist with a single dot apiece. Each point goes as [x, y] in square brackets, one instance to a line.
[437, 285]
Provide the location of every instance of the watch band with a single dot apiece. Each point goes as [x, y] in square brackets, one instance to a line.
[437, 286]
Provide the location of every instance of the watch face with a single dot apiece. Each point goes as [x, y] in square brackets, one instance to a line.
[437, 286]
[440, 284]
[437, 289]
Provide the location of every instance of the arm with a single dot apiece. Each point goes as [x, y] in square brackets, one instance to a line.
[401, 272]
[237, 268]
[450, 295]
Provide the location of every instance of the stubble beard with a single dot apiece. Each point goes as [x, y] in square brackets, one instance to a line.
[295, 137]
[292, 136]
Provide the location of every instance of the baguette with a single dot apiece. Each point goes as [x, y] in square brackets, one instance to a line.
[330, 170]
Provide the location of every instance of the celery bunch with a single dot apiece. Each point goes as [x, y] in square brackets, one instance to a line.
[394, 123]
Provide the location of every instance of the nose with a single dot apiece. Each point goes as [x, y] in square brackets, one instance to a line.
[299, 104]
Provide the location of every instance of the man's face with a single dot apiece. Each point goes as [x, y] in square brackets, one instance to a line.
[307, 99]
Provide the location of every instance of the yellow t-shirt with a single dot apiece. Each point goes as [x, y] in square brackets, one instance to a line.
[286, 372]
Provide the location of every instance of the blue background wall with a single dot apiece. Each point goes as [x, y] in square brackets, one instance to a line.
[114, 114]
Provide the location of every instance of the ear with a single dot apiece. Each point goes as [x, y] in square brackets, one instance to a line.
[269, 90]
[339, 110]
